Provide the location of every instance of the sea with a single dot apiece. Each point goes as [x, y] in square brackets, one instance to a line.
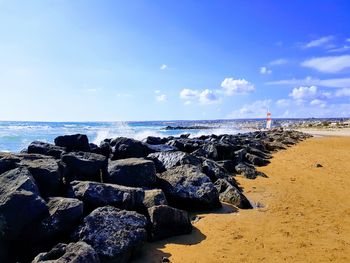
[17, 135]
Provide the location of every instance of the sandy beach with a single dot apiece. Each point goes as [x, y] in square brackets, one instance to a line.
[303, 214]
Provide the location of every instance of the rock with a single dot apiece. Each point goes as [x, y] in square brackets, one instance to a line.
[83, 166]
[167, 221]
[135, 172]
[154, 140]
[184, 144]
[154, 197]
[157, 163]
[273, 146]
[162, 148]
[240, 156]
[165, 260]
[95, 195]
[248, 171]
[46, 149]
[128, 148]
[256, 160]
[79, 252]
[7, 162]
[228, 165]
[213, 170]
[187, 187]
[171, 159]
[65, 213]
[230, 194]
[20, 202]
[113, 233]
[318, 165]
[104, 149]
[46, 175]
[75, 142]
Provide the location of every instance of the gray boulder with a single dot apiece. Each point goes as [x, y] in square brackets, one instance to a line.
[113, 233]
[154, 197]
[79, 252]
[46, 149]
[20, 202]
[171, 159]
[74, 142]
[167, 221]
[188, 188]
[95, 195]
[135, 172]
[83, 166]
[256, 160]
[230, 194]
[248, 171]
[128, 148]
[213, 170]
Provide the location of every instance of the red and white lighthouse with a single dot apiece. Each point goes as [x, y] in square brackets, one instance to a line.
[268, 120]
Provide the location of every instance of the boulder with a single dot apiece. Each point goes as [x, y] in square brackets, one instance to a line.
[162, 148]
[228, 165]
[79, 252]
[74, 142]
[184, 144]
[104, 149]
[256, 160]
[230, 194]
[167, 221]
[46, 175]
[188, 188]
[128, 148]
[113, 233]
[213, 170]
[46, 149]
[171, 159]
[151, 140]
[248, 171]
[137, 172]
[83, 166]
[154, 197]
[95, 195]
[20, 202]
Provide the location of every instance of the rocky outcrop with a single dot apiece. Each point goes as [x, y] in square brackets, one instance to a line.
[113, 233]
[79, 252]
[167, 221]
[83, 166]
[136, 172]
[95, 195]
[74, 142]
[187, 187]
[46, 149]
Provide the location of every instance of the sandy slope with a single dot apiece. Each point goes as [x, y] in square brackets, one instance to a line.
[306, 217]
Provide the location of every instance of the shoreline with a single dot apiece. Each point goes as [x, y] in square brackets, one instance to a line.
[304, 215]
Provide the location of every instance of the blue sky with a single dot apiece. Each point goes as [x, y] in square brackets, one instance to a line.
[161, 60]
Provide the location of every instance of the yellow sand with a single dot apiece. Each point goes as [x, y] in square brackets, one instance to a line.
[306, 217]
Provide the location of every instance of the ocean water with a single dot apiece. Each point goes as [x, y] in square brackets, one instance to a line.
[15, 136]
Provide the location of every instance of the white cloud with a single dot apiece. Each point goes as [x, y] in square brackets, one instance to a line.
[283, 103]
[277, 62]
[303, 92]
[321, 42]
[203, 97]
[233, 86]
[265, 71]
[332, 83]
[339, 49]
[331, 64]
[342, 92]
[317, 102]
[163, 67]
[157, 91]
[161, 98]
[257, 109]
[348, 40]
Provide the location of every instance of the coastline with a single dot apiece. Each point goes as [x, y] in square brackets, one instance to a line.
[304, 214]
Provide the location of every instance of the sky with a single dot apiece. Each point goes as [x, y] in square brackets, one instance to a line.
[72, 60]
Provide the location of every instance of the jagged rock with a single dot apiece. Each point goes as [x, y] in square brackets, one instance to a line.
[135, 172]
[213, 170]
[248, 171]
[228, 165]
[79, 252]
[256, 160]
[46, 175]
[162, 148]
[104, 149]
[95, 195]
[157, 163]
[230, 194]
[167, 221]
[128, 148]
[113, 233]
[74, 142]
[274, 146]
[46, 149]
[83, 166]
[187, 187]
[171, 159]
[154, 197]
[154, 140]
[184, 144]
[20, 202]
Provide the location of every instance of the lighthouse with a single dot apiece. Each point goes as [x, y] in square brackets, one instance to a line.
[268, 120]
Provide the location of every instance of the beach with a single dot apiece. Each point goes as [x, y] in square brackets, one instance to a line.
[302, 214]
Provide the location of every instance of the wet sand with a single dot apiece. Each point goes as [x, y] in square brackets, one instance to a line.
[305, 218]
